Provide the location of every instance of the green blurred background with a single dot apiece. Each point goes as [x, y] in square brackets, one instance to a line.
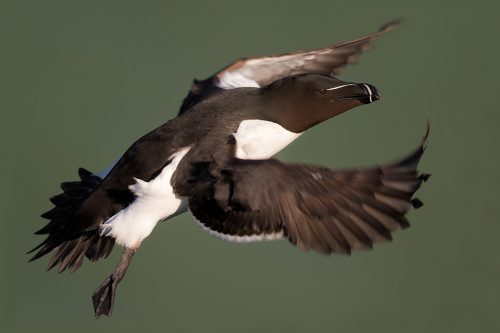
[81, 80]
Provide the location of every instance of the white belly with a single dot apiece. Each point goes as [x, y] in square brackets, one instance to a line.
[155, 201]
[261, 139]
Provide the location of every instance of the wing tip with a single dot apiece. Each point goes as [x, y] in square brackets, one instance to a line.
[416, 203]
[391, 25]
[425, 138]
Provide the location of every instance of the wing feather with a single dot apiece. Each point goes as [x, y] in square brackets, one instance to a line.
[314, 207]
[326, 60]
[261, 71]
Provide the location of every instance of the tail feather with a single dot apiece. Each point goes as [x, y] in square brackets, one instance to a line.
[70, 248]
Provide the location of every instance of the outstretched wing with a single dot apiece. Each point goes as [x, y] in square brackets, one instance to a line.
[314, 207]
[258, 72]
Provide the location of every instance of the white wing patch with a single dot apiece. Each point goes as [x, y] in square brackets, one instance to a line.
[232, 80]
[155, 201]
[261, 139]
[256, 139]
[240, 239]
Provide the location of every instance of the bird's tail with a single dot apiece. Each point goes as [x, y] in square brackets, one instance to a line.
[69, 247]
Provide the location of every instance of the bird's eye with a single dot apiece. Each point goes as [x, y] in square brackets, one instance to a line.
[322, 91]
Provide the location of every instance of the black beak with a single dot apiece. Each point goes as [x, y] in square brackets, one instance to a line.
[369, 93]
[363, 92]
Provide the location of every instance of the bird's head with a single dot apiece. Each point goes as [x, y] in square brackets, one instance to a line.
[302, 101]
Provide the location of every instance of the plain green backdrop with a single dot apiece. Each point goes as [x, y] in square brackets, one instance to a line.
[81, 80]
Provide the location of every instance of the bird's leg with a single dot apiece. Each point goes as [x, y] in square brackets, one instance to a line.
[104, 296]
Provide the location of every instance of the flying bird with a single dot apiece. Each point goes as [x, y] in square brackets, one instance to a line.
[215, 160]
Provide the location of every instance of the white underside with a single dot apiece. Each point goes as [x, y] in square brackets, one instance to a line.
[156, 201]
[255, 140]
[240, 239]
[261, 139]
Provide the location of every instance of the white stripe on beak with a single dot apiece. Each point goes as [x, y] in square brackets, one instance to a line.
[342, 86]
[370, 94]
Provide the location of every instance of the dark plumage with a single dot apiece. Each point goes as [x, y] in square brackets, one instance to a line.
[215, 158]
[314, 207]
[70, 246]
[327, 60]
